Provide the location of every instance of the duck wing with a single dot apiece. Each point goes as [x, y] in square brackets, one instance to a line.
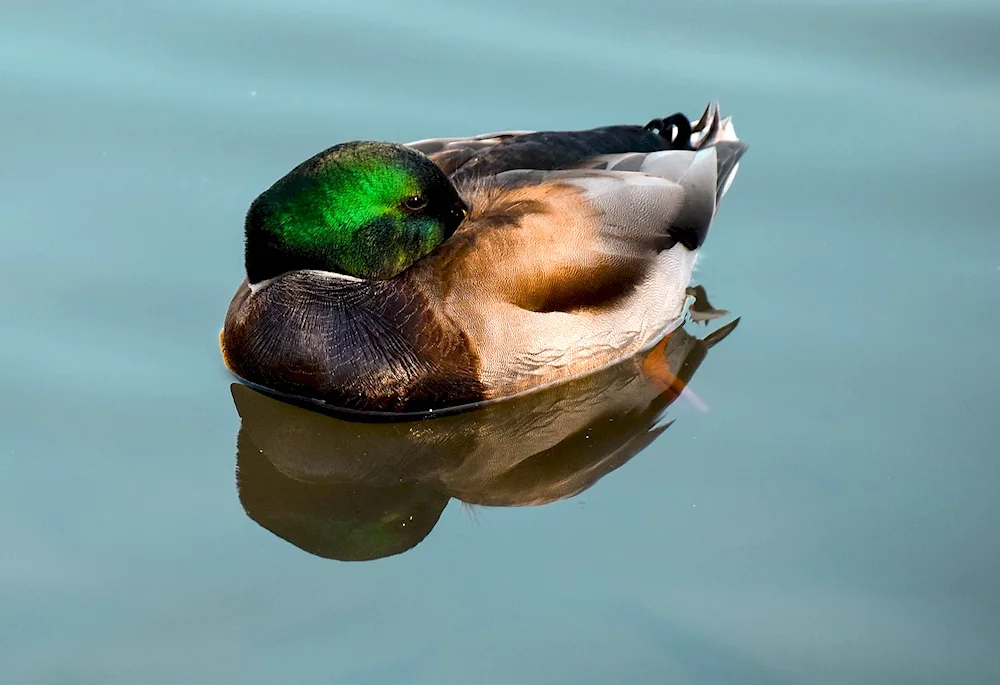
[559, 272]
[452, 153]
[469, 159]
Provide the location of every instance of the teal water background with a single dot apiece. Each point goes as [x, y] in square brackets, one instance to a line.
[832, 519]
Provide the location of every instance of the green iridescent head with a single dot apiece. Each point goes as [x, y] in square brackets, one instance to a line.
[363, 209]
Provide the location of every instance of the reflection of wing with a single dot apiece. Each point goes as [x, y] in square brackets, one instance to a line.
[563, 441]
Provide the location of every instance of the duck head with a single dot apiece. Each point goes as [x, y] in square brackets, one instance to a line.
[362, 209]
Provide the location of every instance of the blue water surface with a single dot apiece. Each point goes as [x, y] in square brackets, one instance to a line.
[833, 518]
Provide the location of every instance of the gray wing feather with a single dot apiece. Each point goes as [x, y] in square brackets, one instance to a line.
[452, 153]
[700, 175]
[431, 146]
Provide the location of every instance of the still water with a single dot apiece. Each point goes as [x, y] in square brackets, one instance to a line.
[831, 518]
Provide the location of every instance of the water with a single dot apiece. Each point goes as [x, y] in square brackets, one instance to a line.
[832, 518]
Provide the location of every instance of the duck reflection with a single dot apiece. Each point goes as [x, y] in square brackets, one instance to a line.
[344, 489]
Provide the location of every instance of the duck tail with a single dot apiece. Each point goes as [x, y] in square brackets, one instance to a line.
[710, 131]
[713, 131]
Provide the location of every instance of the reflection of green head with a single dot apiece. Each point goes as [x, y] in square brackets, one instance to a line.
[363, 209]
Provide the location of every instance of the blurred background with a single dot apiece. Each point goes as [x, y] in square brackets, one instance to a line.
[832, 518]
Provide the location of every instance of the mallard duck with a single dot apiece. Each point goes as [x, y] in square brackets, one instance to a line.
[391, 278]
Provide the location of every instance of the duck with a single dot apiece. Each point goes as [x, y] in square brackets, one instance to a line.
[392, 279]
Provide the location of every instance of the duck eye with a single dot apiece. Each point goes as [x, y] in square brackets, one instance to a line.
[415, 203]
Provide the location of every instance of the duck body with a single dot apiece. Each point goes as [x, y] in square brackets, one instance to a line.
[573, 251]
